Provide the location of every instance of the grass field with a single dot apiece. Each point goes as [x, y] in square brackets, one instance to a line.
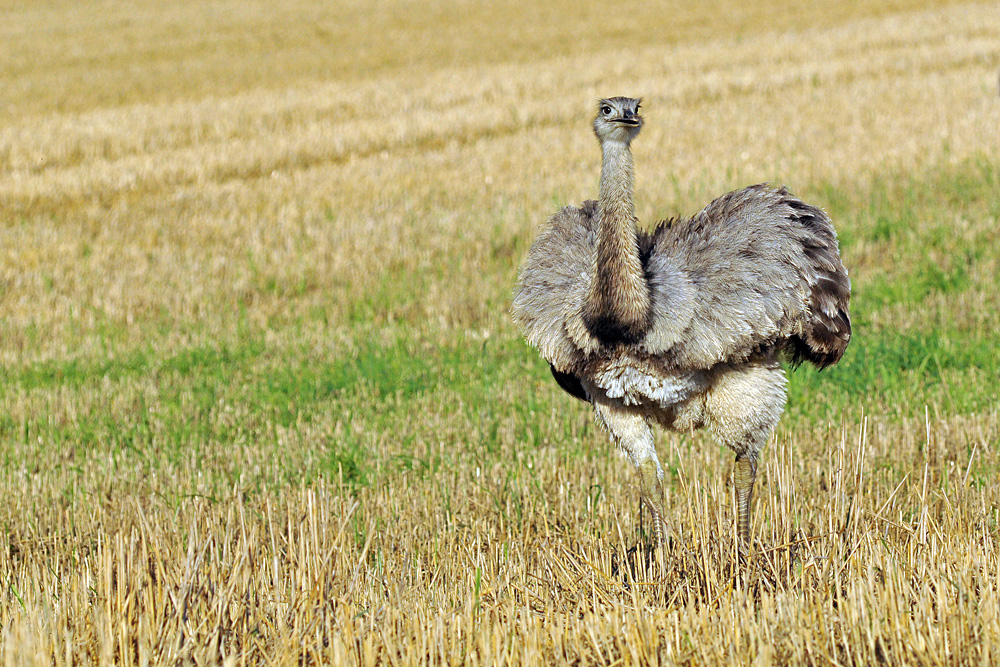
[261, 401]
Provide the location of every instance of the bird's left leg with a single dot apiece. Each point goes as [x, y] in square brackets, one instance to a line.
[631, 432]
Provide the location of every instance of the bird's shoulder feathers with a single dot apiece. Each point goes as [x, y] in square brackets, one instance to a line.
[554, 281]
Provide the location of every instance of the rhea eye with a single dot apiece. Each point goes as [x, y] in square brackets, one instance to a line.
[606, 110]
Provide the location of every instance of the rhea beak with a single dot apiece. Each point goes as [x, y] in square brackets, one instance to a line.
[629, 118]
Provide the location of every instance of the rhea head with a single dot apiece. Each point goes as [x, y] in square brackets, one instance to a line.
[618, 119]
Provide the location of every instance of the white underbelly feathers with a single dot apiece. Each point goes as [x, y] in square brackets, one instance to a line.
[640, 382]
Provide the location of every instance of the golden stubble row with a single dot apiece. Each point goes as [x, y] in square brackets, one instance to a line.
[876, 540]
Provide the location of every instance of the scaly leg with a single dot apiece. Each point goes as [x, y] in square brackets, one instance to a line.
[743, 406]
[744, 475]
[651, 493]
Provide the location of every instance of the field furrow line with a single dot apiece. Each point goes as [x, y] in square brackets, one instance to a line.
[92, 158]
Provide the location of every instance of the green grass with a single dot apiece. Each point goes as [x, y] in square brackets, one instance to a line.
[951, 370]
[372, 387]
[932, 239]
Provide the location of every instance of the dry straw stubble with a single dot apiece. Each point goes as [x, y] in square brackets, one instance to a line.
[141, 225]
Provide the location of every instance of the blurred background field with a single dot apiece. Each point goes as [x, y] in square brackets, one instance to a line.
[260, 398]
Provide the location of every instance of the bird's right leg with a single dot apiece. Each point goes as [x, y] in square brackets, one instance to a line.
[632, 434]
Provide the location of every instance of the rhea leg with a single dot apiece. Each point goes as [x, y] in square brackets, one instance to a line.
[742, 407]
[651, 493]
[744, 474]
[632, 434]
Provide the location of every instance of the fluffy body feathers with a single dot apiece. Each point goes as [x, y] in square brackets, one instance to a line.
[755, 273]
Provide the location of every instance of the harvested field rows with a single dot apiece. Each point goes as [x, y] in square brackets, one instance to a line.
[261, 401]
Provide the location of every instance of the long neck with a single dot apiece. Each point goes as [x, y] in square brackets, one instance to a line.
[618, 302]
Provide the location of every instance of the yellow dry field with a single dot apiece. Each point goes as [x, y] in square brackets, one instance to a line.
[261, 402]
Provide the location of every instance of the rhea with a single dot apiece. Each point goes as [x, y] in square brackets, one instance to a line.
[684, 327]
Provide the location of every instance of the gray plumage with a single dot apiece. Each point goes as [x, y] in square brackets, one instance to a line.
[683, 326]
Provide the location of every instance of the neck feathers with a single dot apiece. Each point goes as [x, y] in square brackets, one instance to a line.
[617, 307]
